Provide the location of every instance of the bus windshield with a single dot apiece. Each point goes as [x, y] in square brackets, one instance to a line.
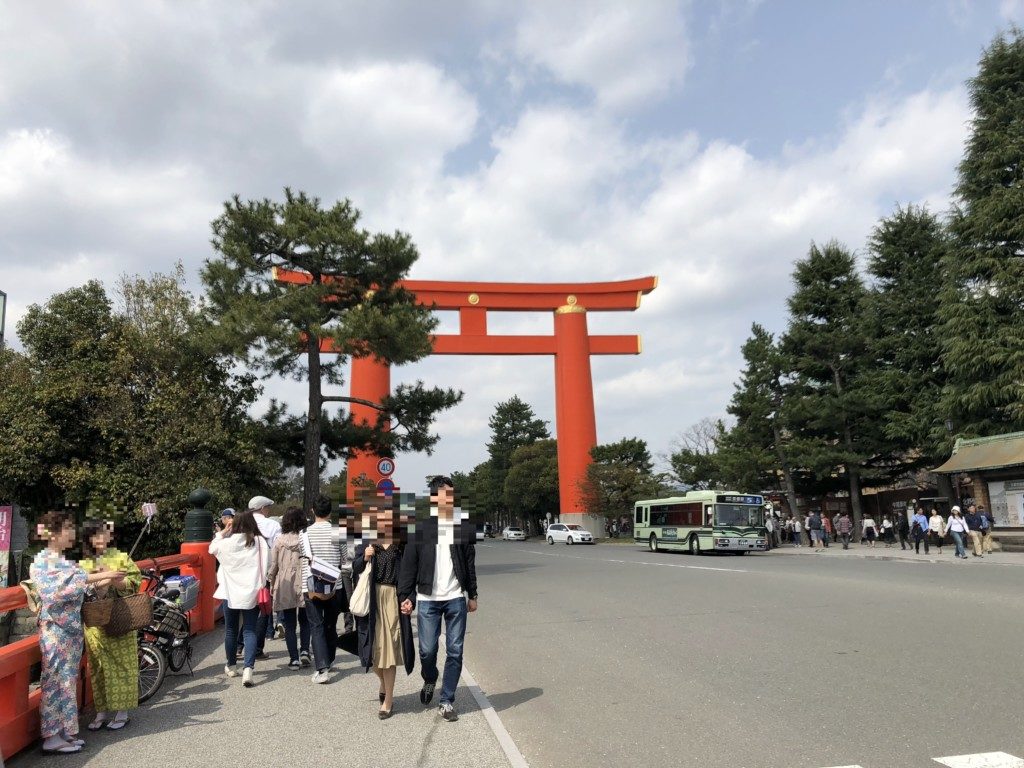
[737, 514]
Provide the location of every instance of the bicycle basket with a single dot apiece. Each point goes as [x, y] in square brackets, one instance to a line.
[170, 621]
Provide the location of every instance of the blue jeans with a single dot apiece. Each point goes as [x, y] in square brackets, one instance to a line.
[958, 542]
[288, 618]
[428, 621]
[249, 618]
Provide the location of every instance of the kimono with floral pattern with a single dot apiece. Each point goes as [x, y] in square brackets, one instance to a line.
[61, 585]
[114, 661]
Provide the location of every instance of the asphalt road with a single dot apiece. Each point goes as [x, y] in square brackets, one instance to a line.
[615, 656]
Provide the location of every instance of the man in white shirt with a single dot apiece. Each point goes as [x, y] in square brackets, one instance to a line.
[439, 575]
[270, 530]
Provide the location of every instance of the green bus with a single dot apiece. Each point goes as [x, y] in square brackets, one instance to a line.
[702, 521]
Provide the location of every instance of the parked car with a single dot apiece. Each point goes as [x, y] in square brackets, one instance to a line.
[570, 533]
[480, 533]
[513, 533]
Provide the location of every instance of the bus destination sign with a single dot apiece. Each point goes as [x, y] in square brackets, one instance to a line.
[730, 499]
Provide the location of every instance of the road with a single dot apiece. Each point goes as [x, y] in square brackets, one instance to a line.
[614, 656]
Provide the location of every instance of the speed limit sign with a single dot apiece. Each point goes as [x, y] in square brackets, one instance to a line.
[386, 467]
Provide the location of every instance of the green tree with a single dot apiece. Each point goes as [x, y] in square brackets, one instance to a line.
[753, 454]
[353, 299]
[832, 411]
[907, 250]
[695, 462]
[982, 308]
[513, 425]
[620, 474]
[531, 484]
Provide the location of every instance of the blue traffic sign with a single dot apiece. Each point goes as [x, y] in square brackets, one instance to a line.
[387, 485]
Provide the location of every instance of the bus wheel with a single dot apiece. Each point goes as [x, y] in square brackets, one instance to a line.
[694, 545]
[653, 543]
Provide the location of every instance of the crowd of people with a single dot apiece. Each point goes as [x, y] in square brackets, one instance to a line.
[293, 578]
[914, 529]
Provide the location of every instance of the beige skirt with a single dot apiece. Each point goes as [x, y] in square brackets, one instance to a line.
[387, 634]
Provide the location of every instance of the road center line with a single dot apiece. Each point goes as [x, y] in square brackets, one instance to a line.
[626, 562]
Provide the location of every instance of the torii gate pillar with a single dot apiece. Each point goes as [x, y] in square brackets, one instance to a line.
[575, 424]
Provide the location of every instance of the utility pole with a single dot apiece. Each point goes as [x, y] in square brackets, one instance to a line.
[3, 316]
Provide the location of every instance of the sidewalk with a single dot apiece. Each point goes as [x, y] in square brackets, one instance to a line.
[879, 552]
[285, 719]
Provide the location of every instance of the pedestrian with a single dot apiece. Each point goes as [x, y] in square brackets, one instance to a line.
[797, 530]
[807, 530]
[769, 527]
[439, 578]
[826, 529]
[957, 528]
[974, 529]
[324, 600]
[385, 633]
[903, 528]
[113, 661]
[844, 527]
[348, 526]
[270, 529]
[868, 530]
[888, 533]
[936, 529]
[244, 557]
[919, 530]
[986, 529]
[814, 528]
[287, 588]
[62, 585]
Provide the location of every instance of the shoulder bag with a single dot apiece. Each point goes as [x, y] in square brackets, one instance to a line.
[324, 575]
[359, 604]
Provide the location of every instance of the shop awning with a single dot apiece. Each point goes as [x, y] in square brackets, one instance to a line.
[985, 453]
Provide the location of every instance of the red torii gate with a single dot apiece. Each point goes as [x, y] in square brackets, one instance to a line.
[571, 345]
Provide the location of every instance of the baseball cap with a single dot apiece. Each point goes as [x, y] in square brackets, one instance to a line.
[257, 503]
[227, 512]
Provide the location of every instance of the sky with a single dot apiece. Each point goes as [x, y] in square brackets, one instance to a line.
[706, 143]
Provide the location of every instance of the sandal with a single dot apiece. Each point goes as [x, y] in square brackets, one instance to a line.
[117, 725]
[67, 749]
[98, 723]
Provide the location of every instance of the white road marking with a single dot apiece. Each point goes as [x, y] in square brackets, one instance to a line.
[627, 562]
[508, 746]
[981, 760]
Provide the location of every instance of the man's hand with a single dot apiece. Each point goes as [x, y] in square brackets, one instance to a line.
[368, 552]
[406, 607]
[471, 606]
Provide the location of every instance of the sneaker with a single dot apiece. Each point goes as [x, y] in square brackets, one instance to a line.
[321, 677]
[447, 712]
[304, 658]
[279, 631]
[247, 677]
[230, 671]
[262, 656]
[427, 693]
[294, 664]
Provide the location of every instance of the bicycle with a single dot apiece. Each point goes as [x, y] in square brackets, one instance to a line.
[167, 642]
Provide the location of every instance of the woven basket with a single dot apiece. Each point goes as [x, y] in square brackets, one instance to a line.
[118, 616]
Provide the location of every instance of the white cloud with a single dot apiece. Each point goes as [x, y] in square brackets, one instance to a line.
[625, 53]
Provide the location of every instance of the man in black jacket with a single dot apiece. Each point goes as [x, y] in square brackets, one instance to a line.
[439, 574]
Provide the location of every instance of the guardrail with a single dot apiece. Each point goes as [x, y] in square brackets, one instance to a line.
[19, 706]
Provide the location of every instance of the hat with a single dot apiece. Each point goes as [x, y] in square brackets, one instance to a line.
[955, 509]
[229, 512]
[256, 503]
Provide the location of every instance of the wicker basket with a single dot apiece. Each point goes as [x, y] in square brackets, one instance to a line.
[118, 616]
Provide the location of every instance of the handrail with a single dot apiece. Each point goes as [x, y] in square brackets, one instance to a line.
[13, 598]
[19, 706]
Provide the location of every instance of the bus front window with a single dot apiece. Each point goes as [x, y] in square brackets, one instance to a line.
[741, 515]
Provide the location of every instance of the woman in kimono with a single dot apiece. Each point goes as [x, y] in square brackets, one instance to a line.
[61, 584]
[113, 661]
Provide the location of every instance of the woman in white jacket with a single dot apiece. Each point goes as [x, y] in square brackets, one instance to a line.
[244, 558]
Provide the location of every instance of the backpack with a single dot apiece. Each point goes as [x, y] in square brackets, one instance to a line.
[815, 523]
[984, 521]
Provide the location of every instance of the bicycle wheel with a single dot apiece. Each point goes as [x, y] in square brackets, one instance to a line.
[179, 654]
[152, 668]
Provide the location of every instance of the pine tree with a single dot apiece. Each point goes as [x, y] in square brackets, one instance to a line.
[354, 298]
[906, 261]
[513, 425]
[832, 411]
[754, 453]
[983, 304]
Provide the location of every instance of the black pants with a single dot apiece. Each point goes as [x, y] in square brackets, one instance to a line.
[846, 540]
[918, 538]
[323, 630]
[904, 541]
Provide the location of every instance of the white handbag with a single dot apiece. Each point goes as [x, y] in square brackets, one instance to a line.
[359, 604]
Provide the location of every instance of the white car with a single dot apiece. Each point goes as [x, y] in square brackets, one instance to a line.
[513, 533]
[569, 533]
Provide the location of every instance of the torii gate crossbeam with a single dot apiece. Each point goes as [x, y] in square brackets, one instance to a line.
[570, 344]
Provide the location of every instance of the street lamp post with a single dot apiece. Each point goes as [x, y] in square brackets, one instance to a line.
[3, 316]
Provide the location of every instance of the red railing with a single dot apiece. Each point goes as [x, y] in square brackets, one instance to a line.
[19, 707]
